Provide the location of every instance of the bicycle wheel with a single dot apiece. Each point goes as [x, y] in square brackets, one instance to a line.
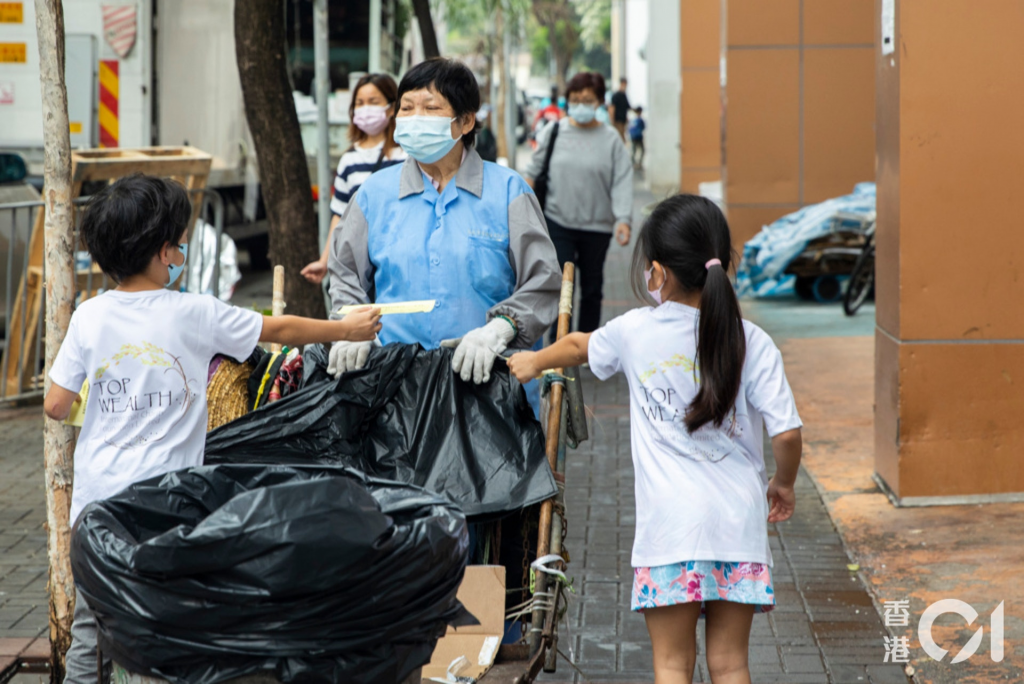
[862, 280]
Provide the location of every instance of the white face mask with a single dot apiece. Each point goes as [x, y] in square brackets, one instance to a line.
[655, 294]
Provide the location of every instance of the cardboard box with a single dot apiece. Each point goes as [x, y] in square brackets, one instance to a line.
[469, 652]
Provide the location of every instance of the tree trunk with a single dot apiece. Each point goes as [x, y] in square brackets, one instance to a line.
[556, 58]
[562, 62]
[499, 65]
[58, 439]
[427, 33]
[284, 174]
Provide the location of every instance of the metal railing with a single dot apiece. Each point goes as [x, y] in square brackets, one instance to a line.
[16, 223]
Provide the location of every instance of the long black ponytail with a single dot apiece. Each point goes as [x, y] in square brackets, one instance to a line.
[689, 236]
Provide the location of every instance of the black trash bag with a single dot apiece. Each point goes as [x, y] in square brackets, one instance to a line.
[406, 417]
[318, 574]
[314, 365]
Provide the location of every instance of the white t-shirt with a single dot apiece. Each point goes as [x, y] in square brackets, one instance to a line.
[146, 356]
[701, 496]
[354, 167]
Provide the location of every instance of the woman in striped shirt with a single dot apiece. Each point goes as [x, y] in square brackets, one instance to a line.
[372, 132]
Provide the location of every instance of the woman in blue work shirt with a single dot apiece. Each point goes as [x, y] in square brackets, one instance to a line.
[447, 226]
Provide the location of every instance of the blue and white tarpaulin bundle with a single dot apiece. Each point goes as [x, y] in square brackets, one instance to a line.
[762, 270]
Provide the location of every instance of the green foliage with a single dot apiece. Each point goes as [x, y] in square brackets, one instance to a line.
[598, 59]
[540, 49]
[403, 17]
[595, 23]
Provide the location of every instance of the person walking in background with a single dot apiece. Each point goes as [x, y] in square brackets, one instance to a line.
[636, 135]
[486, 143]
[589, 190]
[704, 384]
[620, 109]
[372, 133]
[551, 111]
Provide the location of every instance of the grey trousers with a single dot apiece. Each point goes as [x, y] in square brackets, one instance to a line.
[81, 657]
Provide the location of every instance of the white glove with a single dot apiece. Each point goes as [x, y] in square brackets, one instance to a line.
[347, 356]
[476, 350]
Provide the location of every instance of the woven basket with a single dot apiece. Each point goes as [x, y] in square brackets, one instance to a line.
[227, 395]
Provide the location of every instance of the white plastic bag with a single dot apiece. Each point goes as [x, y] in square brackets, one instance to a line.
[202, 256]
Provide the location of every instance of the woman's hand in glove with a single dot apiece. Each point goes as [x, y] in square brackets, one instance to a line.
[347, 356]
[476, 350]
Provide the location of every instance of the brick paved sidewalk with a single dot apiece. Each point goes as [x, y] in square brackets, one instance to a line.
[23, 564]
[824, 629]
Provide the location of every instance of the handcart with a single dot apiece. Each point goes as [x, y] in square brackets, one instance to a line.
[564, 421]
[822, 264]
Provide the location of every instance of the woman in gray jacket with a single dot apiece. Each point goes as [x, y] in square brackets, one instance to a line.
[590, 190]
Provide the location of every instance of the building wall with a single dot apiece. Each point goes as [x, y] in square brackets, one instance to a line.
[637, 26]
[798, 103]
[700, 100]
[664, 87]
[950, 340]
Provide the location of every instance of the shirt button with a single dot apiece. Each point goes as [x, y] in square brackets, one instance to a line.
[435, 261]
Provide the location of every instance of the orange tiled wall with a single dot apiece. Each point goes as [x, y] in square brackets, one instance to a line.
[950, 290]
[701, 109]
[798, 105]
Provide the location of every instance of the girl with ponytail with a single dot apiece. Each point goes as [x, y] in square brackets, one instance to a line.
[704, 386]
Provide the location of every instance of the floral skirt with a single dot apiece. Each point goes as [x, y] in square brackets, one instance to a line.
[700, 581]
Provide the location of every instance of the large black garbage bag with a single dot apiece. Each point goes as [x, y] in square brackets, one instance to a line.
[407, 417]
[319, 574]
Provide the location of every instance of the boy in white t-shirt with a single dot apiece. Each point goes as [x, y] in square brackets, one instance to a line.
[145, 351]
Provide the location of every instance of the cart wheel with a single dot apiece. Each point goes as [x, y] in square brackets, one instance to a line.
[862, 280]
[827, 289]
[804, 287]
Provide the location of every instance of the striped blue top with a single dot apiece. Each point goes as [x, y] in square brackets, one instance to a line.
[354, 167]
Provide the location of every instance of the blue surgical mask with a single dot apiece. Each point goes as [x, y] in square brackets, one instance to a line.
[582, 113]
[173, 270]
[425, 138]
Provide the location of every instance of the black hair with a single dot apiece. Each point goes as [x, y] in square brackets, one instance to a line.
[450, 78]
[584, 80]
[682, 234]
[639, 109]
[128, 222]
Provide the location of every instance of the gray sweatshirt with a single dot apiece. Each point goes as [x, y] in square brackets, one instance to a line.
[590, 183]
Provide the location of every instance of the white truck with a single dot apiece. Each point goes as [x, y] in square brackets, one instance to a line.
[163, 72]
[176, 83]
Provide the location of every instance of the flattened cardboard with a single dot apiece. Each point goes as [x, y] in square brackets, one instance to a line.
[483, 594]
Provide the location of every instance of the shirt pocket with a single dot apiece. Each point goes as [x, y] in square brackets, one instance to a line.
[489, 265]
